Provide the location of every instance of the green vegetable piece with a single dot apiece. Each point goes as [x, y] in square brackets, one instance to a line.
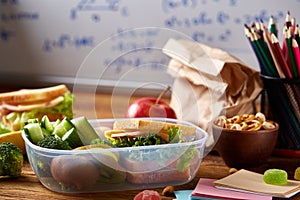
[32, 121]
[4, 129]
[18, 120]
[13, 119]
[186, 159]
[45, 123]
[175, 135]
[12, 116]
[64, 126]
[65, 107]
[72, 138]
[46, 132]
[101, 141]
[34, 132]
[54, 142]
[85, 130]
[11, 160]
[56, 122]
[275, 177]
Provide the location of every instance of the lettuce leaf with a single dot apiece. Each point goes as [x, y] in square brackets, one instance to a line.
[186, 159]
[65, 107]
[175, 135]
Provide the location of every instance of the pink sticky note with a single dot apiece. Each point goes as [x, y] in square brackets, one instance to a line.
[205, 188]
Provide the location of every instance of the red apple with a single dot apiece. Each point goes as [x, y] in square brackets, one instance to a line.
[150, 107]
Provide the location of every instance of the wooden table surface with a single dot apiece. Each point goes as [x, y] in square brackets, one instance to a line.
[27, 186]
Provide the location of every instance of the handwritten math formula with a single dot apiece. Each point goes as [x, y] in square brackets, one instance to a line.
[58, 27]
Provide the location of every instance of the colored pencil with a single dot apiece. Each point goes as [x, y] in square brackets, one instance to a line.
[253, 37]
[273, 52]
[287, 25]
[264, 65]
[288, 19]
[277, 62]
[250, 37]
[257, 27]
[280, 57]
[272, 26]
[293, 24]
[296, 53]
[296, 34]
[290, 92]
[284, 47]
[288, 39]
[284, 63]
[265, 54]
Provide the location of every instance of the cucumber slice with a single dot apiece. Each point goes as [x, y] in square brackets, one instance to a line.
[46, 124]
[64, 126]
[34, 131]
[72, 138]
[56, 122]
[32, 121]
[85, 130]
[46, 132]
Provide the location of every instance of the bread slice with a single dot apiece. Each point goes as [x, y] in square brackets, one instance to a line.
[24, 96]
[32, 106]
[151, 126]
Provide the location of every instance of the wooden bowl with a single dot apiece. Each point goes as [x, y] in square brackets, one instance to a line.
[245, 149]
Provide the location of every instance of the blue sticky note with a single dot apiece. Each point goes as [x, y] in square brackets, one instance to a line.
[186, 195]
[183, 194]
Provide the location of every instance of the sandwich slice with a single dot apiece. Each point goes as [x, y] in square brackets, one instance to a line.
[155, 165]
[17, 107]
[137, 131]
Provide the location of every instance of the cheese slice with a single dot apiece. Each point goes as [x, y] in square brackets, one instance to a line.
[128, 134]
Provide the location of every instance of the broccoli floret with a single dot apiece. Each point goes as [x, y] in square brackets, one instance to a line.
[11, 160]
[54, 142]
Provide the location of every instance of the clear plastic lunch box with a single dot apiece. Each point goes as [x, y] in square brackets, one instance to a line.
[116, 169]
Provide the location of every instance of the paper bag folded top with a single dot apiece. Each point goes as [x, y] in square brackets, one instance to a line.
[209, 82]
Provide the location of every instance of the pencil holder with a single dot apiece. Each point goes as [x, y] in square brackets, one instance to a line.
[281, 102]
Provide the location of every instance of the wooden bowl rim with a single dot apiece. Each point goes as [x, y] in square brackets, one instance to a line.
[262, 131]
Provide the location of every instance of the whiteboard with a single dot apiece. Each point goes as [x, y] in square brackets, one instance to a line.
[109, 42]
